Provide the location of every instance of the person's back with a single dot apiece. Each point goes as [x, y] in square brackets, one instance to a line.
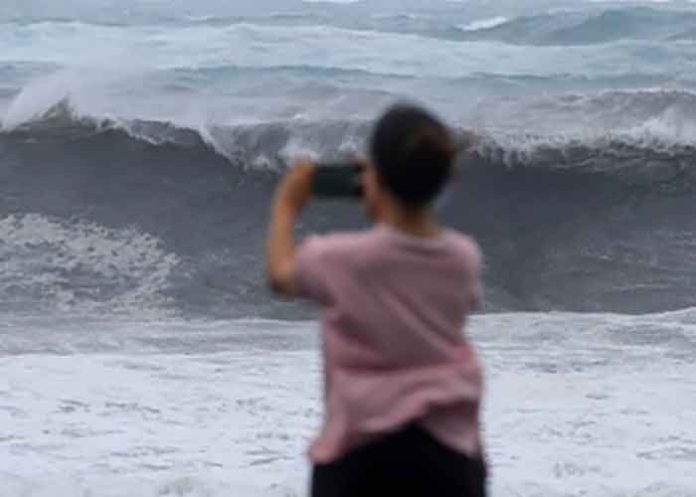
[404, 298]
[402, 383]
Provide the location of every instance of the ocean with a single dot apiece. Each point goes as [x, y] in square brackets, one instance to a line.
[141, 353]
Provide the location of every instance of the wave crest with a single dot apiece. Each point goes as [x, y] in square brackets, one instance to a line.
[580, 28]
[566, 222]
[660, 146]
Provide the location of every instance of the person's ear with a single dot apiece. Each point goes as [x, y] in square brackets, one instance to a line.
[365, 167]
[369, 183]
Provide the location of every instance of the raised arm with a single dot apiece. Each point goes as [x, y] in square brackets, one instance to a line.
[291, 196]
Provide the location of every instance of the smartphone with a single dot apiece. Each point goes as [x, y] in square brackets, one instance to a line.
[338, 181]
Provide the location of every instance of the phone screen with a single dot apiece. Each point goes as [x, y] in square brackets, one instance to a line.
[338, 181]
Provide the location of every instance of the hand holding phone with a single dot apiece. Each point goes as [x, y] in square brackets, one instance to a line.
[338, 181]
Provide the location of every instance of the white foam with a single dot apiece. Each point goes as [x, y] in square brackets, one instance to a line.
[87, 89]
[577, 405]
[648, 117]
[673, 126]
[37, 98]
[67, 266]
[484, 23]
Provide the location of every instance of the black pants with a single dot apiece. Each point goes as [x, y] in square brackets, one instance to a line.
[410, 463]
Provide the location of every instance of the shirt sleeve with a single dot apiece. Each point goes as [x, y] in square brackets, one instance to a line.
[310, 272]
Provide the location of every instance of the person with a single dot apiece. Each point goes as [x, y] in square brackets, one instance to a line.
[402, 382]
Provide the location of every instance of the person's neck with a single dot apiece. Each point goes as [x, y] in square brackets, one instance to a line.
[420, 223]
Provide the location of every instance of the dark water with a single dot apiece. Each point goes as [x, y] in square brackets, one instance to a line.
[603, 225]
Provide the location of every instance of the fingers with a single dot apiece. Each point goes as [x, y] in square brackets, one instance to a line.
[295, 188]
[302, 163]
[302, 169]
[361, 162]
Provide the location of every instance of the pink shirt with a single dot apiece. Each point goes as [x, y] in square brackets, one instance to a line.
[394, 307]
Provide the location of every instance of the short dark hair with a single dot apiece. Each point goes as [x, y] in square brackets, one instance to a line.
[413, 152]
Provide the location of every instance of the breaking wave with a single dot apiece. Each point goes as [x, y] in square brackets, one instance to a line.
[568, 221]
